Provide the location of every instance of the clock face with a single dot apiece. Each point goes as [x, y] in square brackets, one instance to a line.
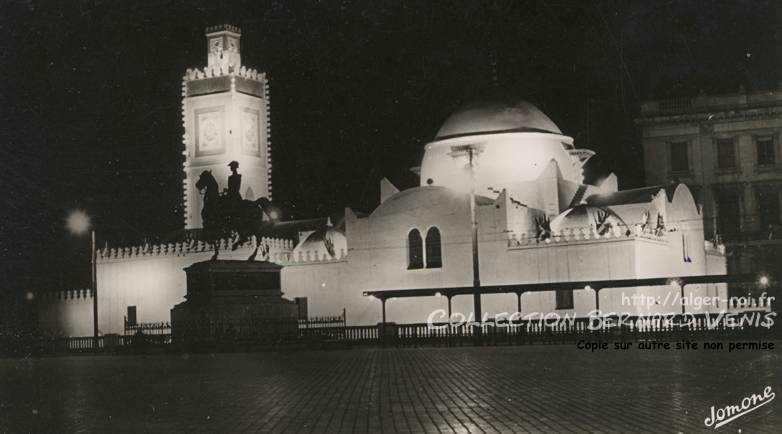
[232, 45]
[216, 44]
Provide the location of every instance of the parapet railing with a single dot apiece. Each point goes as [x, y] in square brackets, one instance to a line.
[184, 248]
[589, 233]
[69, 294]
[314, 256]
[219, 71]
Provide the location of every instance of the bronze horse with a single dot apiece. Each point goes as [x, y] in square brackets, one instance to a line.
[222, 215]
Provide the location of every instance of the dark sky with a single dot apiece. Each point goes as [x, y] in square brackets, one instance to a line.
[90, 96]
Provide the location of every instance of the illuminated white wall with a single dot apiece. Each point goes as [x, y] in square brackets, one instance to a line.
[504, 161]
[377, 259]
[153, 280]
[65, 313]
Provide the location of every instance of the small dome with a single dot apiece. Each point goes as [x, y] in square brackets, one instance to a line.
[496, 117]
[327, 242]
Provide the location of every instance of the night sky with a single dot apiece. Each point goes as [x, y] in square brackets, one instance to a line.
[90, 104]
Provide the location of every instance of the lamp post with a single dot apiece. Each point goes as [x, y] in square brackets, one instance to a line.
[79, 224]
[471, 151]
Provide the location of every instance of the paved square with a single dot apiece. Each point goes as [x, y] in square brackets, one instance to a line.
[491, 389]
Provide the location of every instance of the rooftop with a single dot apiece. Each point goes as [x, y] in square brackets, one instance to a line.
[496, 117]
[709, 103]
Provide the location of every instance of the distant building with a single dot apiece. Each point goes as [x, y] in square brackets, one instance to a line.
[726, 148]
[538, 222]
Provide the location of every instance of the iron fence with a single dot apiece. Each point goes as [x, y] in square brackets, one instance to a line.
[249, 334]
[148, 328]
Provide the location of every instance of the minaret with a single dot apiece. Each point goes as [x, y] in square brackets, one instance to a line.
[225, 114]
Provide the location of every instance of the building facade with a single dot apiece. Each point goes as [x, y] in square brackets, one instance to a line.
[538, 222]
[726, 148]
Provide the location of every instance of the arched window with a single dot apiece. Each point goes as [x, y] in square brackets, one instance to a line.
[434, 255]
[415, 250]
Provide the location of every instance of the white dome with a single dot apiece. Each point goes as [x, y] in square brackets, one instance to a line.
[514, 144]
[496, 117]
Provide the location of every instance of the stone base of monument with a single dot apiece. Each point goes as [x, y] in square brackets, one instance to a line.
[233, 302]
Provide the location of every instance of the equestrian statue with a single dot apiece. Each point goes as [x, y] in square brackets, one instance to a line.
[225, 213]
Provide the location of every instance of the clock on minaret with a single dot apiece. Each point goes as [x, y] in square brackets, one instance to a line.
[216, 45]
[226, 116]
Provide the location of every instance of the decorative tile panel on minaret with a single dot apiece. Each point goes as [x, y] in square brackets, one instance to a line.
[225, 114]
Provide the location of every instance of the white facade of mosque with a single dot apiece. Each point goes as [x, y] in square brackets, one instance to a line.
[537, 223]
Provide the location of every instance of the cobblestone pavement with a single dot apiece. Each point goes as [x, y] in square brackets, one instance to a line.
[491, 389]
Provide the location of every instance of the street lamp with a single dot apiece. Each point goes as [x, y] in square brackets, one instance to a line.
[471, 151]
[677, 283]
[78, 223]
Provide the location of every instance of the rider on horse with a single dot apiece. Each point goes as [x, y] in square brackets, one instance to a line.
[234, 181]
[232, 196]
[227, 213]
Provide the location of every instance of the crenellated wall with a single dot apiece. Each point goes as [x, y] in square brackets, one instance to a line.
[151, 278]
[65, 313]
[277, 247]
[219, 71]
[569, 235]
[313, 256]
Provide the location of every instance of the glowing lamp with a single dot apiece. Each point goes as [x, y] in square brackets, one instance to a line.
[78, 222]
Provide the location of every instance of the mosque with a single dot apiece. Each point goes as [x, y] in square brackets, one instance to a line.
[538, 222]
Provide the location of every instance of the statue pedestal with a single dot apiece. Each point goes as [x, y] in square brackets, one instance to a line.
[229, 301]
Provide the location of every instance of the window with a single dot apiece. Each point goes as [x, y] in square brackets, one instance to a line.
[434, 257]
[768, 205]
[132, 316]
[765, 150]
[680, 161]
[728, 212]
[415, 250]
[726, 154]
[564, 299]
